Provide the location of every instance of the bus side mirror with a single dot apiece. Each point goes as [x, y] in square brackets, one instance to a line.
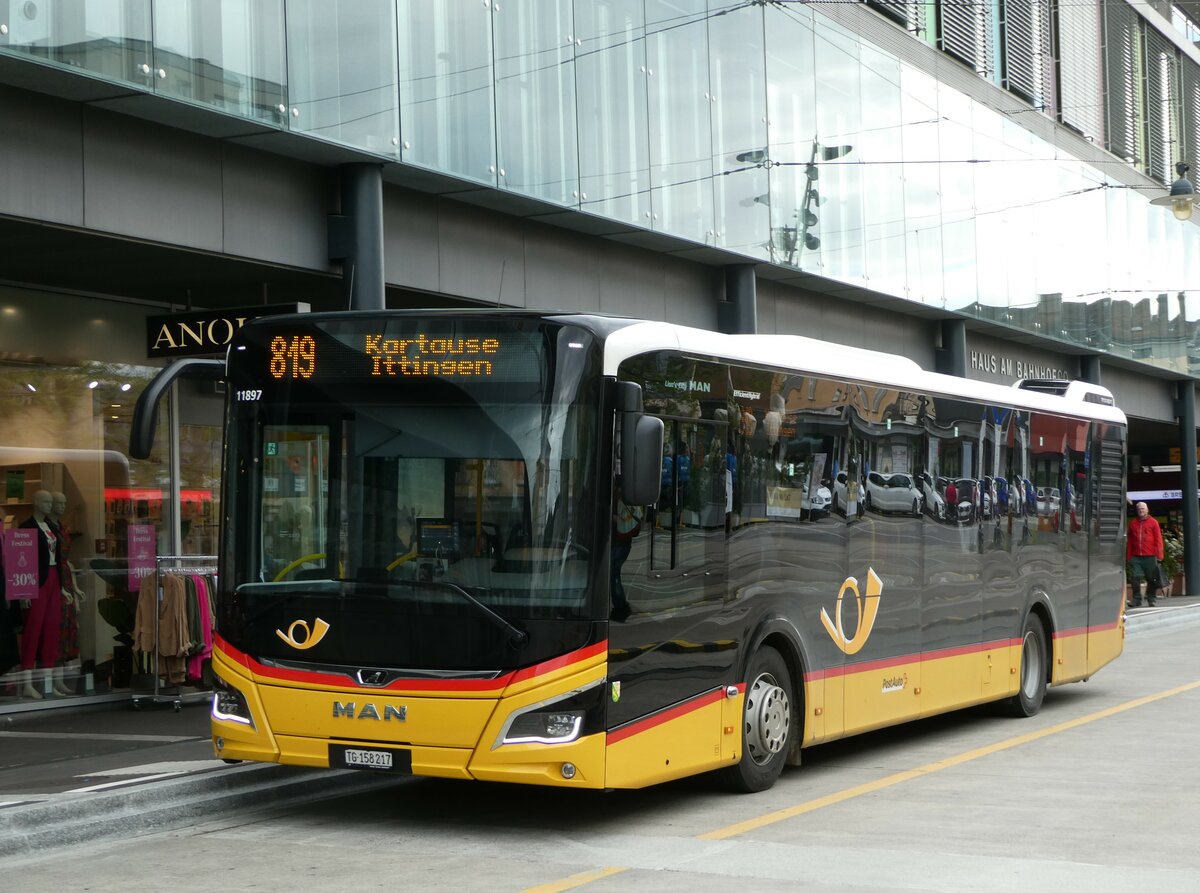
[145, 413]
[642, 486]
[641, 448]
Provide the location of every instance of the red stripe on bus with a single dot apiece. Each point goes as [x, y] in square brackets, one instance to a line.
[665, 716]
[958, 651]
[428, 685]
[557, 663]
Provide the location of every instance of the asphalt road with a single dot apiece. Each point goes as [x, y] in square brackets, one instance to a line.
[1099, 792]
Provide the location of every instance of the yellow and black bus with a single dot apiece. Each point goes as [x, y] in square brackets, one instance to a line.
[576, 550]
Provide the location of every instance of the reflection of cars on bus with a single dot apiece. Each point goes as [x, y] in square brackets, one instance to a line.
[968, 498]
[892, 493]
[1048, 500]
[816, 503]
[933, 499]
[841, 497]
[987, 489]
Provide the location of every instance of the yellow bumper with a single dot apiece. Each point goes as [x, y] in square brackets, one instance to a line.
[451, 733]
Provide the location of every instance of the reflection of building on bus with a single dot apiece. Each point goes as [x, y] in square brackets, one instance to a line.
[143, 505]
[446, 545]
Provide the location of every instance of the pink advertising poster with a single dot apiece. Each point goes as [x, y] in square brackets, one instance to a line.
[142, 539]
[20, 564]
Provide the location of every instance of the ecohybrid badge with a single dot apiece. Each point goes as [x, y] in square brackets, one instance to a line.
[311, 637]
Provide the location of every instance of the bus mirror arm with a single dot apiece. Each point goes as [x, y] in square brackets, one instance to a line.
[145, 413]
[641, 447]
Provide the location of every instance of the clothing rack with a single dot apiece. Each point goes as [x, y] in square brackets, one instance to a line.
[164, 565]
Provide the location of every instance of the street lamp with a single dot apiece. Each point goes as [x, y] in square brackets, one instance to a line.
[1182, 196]
[807, 217]
[786, 240]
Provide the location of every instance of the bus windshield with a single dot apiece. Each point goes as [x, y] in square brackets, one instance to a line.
[446, 465]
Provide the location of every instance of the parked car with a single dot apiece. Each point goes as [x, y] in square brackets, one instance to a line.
[987, 489]
[933, 500]
[893, 493]
[840, 495]
[968, 498]
[1030, 496]
[1048, 500]
[815, 504]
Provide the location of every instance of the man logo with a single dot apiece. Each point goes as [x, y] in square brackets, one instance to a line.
[866, 614]
[311, 637]
[350, 710]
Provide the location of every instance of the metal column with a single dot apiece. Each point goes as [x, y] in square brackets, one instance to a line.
[951, 356]
[1185, 410]
[356, 236]
[738, 313]
[1089, 369]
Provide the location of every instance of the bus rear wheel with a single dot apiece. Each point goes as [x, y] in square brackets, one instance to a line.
[1028, 699]
[766, 725]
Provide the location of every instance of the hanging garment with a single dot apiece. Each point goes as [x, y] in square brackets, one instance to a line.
[201, 651]
[68, 641]
[169, 640]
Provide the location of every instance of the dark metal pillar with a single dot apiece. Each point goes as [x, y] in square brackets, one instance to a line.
[1185, 411]
[951, 357]
[356, 236]
[738, 313]
[1089, 369]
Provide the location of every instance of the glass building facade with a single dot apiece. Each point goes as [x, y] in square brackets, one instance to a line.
[926, 152]
[766, 130]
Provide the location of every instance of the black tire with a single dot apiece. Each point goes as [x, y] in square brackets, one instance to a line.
[766, 725]
[1032, 671]
[916, 508]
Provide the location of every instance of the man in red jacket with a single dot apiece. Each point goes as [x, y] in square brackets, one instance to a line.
[1143, 551]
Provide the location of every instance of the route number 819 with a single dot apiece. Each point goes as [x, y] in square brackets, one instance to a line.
[294, 357]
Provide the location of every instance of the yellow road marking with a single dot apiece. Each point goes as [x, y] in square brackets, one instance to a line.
[771, 818]
[576, 880]
[929, 768]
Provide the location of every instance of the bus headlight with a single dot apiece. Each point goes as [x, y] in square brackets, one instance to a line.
[559, 720]
[544, 728]
[229, 704]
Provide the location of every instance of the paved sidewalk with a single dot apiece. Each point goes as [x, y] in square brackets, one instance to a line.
[1177, 609]
[70, 775]
[76, 774]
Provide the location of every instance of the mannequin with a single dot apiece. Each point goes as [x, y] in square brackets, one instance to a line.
[68, 642]
[39, 639]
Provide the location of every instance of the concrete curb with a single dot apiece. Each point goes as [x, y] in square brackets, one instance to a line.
[1184, 615]
[72, 819]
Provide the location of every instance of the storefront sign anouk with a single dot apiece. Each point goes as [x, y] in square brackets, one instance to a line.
[206, 332]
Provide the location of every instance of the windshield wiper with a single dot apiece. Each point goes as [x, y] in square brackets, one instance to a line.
[517, 638]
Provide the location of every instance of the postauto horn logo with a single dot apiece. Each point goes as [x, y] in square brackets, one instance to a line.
[311, 636]
[866, 614]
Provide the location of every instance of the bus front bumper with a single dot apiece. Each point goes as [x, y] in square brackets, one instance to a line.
[429, 734]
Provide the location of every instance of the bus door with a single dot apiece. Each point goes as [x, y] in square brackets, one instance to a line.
[672, 645]
[1106, 555]
[877, 624]
[1071, 659]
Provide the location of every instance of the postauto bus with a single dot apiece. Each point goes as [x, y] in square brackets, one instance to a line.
[421, 569]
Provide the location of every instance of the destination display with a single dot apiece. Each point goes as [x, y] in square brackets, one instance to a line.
[381, 354]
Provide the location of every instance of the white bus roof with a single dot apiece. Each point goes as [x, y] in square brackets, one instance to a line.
[841, 362]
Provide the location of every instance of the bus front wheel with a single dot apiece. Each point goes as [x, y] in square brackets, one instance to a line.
[1032, 673]
[766, 724]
